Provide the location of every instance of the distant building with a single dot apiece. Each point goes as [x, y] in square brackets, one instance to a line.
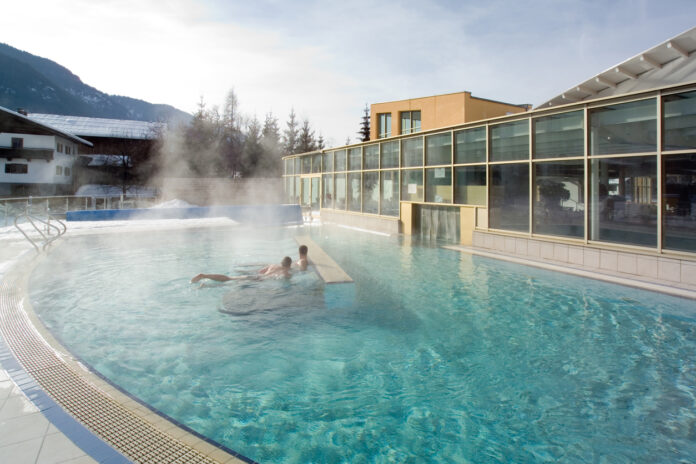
[414, 115]
[36, 158]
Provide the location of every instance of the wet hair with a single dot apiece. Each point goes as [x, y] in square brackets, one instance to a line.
[303, 250]
[286, 262]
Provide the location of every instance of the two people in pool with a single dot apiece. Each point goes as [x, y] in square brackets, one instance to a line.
[272, 271]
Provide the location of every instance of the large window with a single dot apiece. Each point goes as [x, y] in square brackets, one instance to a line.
[679, 215]
[438, 149]
[371, 192]
[679, 127]
[412, 185]
[316, 164]
[438, 185]
[306, 164]
[470, 146]
[624, 128]
[340, 160]
[17, 143]
[410, 122]
[328, 191]
[509, 197]
[559, 135]
[298, 165]
[355, 159]
[289, 167]
[559, 198]
[510, 141]
[412, 152]
[371, 158]
[470, 187]
[384, 125]
[328, 162]
[390, 193]
[390, 154]
[340, 202]
[16, 168]
[354, 188]
[298, 189]
[623, 195]
[290, 189]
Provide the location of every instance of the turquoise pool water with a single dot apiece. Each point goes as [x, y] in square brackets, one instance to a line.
[431, 356]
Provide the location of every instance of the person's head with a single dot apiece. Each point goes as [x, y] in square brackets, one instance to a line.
[286, 262]
[303, 251]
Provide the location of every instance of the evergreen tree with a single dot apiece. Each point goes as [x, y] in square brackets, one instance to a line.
[232, 137]
[253, 150]
[320, 142]
[270, 164]
[305, 141]
[348, 140]
[364, 131]
[202, 139]
[290, 135]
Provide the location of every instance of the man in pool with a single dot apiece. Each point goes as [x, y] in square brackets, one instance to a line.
[272, 271]
[302, 262]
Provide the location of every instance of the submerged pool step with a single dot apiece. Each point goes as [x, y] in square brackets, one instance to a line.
[326, 267]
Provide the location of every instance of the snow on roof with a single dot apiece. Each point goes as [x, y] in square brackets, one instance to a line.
[22, 120]
[100, 127]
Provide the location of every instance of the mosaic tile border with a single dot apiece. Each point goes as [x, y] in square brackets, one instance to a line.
[51, 376]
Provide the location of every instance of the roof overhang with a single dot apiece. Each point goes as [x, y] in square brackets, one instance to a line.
[11, 121]
[671, 62]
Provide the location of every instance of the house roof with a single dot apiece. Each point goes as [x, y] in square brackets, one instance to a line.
[101, 127]
[671, 62]
[11, 121]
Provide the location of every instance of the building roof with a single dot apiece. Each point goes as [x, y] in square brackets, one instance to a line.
[101, 127]
[671, 62]
[12, 121]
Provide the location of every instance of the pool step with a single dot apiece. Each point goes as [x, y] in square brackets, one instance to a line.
[326, 267]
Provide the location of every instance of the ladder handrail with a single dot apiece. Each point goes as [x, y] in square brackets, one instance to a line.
[46, 240]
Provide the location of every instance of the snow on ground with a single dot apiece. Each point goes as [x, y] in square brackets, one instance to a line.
[173, 204]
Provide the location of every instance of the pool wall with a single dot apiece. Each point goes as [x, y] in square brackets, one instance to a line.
[245, 214]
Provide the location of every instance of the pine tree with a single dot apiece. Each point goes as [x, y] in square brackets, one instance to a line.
[364, 131]
[290, 135]
[270, 163]
[232, 137]
[305, 141]
[320, 142]
[253, 151]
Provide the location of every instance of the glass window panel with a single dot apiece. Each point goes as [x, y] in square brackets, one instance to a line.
[679, 121]
[371, 192]
[438, 185]
[412, 185]
[509, 197]
[679, 231]
[340, 181]
[355, 159]
[340, 160]
[298, 166]
[470, 188]
[371, 158]
[298, 189]
[412, 152]
[328, 161]
[290, 189]
[305, 191]
[623, 194]
[390, 154]
[415, 121]
[510, 141]
[384, 125]
[315, 193]
[316, 163]
[390, 193]
[289, 167]
[328, 193]
[306, 164]
[438, 149]
[559, 135]
[624, 128]
[354, 189]
[470, 146]
[559, 198]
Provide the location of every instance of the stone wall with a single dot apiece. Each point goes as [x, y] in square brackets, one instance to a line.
[221, 191]
[648, 267]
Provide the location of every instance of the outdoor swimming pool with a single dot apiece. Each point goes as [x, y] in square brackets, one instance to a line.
[438, 356]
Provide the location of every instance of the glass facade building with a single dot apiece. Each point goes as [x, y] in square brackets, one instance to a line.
[615, 171]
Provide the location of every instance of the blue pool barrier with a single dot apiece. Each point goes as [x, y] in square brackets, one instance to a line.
[244, 214]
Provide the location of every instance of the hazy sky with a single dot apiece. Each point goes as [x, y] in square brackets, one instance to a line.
[327, 59]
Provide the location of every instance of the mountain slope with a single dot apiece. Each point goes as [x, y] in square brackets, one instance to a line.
[40, 85]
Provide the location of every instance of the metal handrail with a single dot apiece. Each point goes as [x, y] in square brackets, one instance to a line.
[60, 231]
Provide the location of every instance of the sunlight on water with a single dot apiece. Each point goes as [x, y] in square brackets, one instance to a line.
[430, 356]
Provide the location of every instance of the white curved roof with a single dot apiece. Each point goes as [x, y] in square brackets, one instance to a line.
[671, 62]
